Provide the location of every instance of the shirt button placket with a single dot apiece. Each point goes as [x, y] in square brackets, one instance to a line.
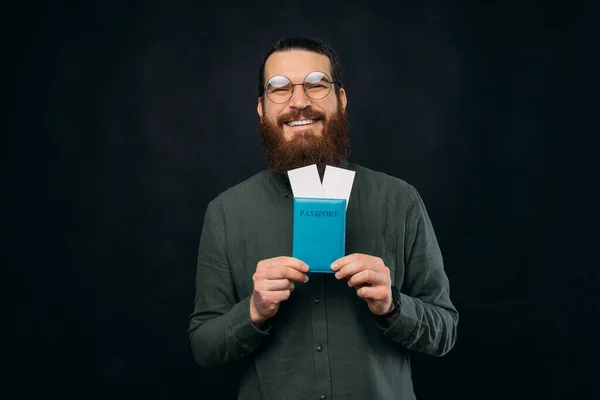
[319, 329]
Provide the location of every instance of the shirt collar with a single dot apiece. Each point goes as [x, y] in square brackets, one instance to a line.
[282, 184]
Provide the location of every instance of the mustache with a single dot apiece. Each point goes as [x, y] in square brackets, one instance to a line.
[294, 115]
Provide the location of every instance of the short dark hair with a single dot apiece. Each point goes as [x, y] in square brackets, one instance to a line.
[304, 43]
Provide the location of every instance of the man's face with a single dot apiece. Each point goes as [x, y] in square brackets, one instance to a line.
[302, 131]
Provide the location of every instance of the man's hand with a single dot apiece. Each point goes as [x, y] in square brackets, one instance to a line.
[371, 279]
[273, 283]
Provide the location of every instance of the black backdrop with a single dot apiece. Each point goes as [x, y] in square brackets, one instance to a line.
[131, 117]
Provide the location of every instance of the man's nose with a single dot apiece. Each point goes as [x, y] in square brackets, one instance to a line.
[299, 98]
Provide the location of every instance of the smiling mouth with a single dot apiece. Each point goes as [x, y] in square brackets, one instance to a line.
[303, 122]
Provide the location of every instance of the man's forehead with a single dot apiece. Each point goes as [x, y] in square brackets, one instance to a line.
[296, 64]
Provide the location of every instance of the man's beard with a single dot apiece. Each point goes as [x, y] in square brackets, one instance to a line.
[305, 148]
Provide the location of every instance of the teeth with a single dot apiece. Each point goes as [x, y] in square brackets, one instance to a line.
[303, 122]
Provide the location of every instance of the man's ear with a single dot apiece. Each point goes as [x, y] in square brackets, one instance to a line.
[259, 108]
[343, 98]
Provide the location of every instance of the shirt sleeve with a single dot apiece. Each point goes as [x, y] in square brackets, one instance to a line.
[428, 320]
[220, 328]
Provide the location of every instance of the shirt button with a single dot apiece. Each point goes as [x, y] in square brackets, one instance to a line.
[317, 300]
[322, 397]
[319, 348]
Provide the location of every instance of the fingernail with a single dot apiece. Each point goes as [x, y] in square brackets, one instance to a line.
[305, 267]
[305, 278]
[333, 266]
[337, 275]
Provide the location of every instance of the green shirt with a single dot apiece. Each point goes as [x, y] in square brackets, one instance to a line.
[324, 343]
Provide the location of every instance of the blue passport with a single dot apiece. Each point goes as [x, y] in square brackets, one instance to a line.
[319, 232]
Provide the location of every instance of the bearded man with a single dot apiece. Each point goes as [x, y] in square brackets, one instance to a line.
[303, 335]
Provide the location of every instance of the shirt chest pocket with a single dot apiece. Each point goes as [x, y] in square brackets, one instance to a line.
[382, 246]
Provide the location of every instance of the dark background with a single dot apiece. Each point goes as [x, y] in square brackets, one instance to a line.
[130, 117]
